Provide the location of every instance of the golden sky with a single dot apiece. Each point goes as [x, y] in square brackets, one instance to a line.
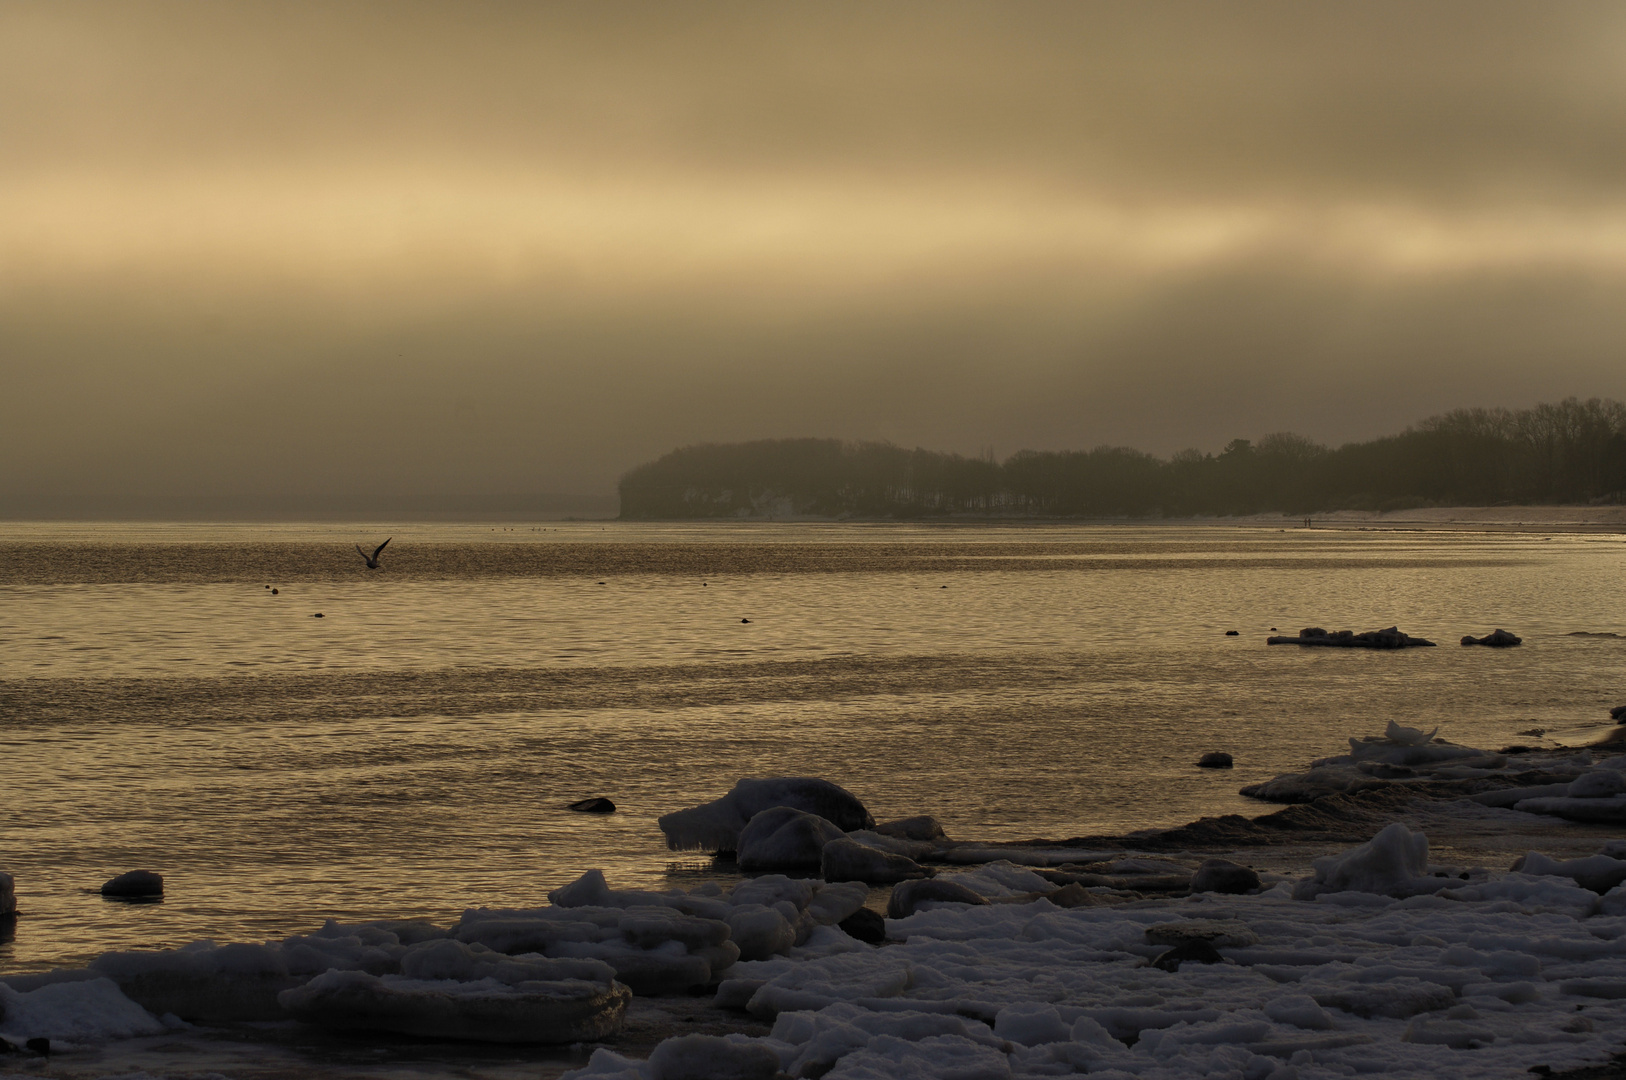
[285, 248]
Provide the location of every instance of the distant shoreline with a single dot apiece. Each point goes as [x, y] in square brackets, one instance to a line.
[1577, 519]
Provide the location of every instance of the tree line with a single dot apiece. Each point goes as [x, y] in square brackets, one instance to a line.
[1569, 452]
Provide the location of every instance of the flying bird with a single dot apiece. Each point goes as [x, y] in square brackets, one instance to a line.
[372, 560]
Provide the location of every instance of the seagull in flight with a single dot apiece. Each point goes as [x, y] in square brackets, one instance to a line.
[372, 560]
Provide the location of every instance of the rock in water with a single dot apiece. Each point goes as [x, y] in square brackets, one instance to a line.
[1618, 713]
[1218, 759]
[1224, 876]
[1392, 638]
[1496, 639]
[717, 825]
[137, 884]
[592, 806]
[8, 897]
[784, 838]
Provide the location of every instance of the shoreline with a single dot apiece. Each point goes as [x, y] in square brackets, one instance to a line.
[1447, 793]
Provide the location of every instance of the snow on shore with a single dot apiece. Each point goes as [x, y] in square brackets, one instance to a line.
[1010, 961]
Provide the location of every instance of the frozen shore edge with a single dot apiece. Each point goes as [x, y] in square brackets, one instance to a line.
[1395, 957]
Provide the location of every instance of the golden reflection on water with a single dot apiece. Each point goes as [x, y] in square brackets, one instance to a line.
[411, 753]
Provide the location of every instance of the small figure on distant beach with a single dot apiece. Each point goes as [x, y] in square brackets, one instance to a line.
[372, 560]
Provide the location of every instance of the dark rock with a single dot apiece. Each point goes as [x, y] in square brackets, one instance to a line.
[318, 615]
[1233, 633]
[1224, 876]
[908, 896]
[865, 925]
[1218, 759]
[1496, 639]
[1392, 638]
[137, 884]
[924, 827]
[592, 806]
[1618, 713]
[1075, 895]
[39, 1046]
[1197, 950]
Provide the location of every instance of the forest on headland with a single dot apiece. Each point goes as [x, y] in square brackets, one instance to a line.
[1571, 452]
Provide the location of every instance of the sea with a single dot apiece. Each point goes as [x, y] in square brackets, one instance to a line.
[288, 736]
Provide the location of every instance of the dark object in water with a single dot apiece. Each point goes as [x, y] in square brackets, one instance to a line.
[1496, 639]
[39, 1046]
[1392, 638]
[592, 806]
[745, 620]
[1217, 759]
[135, 885]
[1199, 950]
[865, 925]
[273, 592]
[318, 615]
[1592, 633]
[1618, 713]
[1233, 633]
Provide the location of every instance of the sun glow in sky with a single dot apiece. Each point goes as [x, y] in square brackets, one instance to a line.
[283, 249]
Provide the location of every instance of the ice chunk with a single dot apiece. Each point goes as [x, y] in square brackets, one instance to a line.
[817, 983]
[88, 1011]
[1408, 736]
[785, 838]
[1597, 784]
[709, 1057]
[448, 989]
[1391, 861]
[1600, 873]
[717, 825]
[769, 889]
[1031, 1023]
[606, 1064]
[836, 901]
[203, 982]
[1299, 1010]
[924, 827]
[1610, 809]
[760, 932]
[847, 860]
[907, 897]
[541, 1010]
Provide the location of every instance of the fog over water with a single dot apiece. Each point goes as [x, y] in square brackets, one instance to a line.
[412, 752]
[281, 258]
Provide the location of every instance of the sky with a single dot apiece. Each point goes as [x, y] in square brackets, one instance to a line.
[318, 253]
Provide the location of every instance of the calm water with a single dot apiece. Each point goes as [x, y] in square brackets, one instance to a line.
[411, 752]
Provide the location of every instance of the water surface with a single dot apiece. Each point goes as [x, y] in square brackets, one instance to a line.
[411, 752]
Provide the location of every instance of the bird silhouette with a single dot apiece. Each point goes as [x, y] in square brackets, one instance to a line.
[372, 560]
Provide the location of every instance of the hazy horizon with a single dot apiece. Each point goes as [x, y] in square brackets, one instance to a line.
[327, 254]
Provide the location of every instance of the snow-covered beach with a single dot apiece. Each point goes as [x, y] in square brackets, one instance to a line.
[1382, 930]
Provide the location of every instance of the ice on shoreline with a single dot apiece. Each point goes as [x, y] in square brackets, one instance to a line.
[1007, 961]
